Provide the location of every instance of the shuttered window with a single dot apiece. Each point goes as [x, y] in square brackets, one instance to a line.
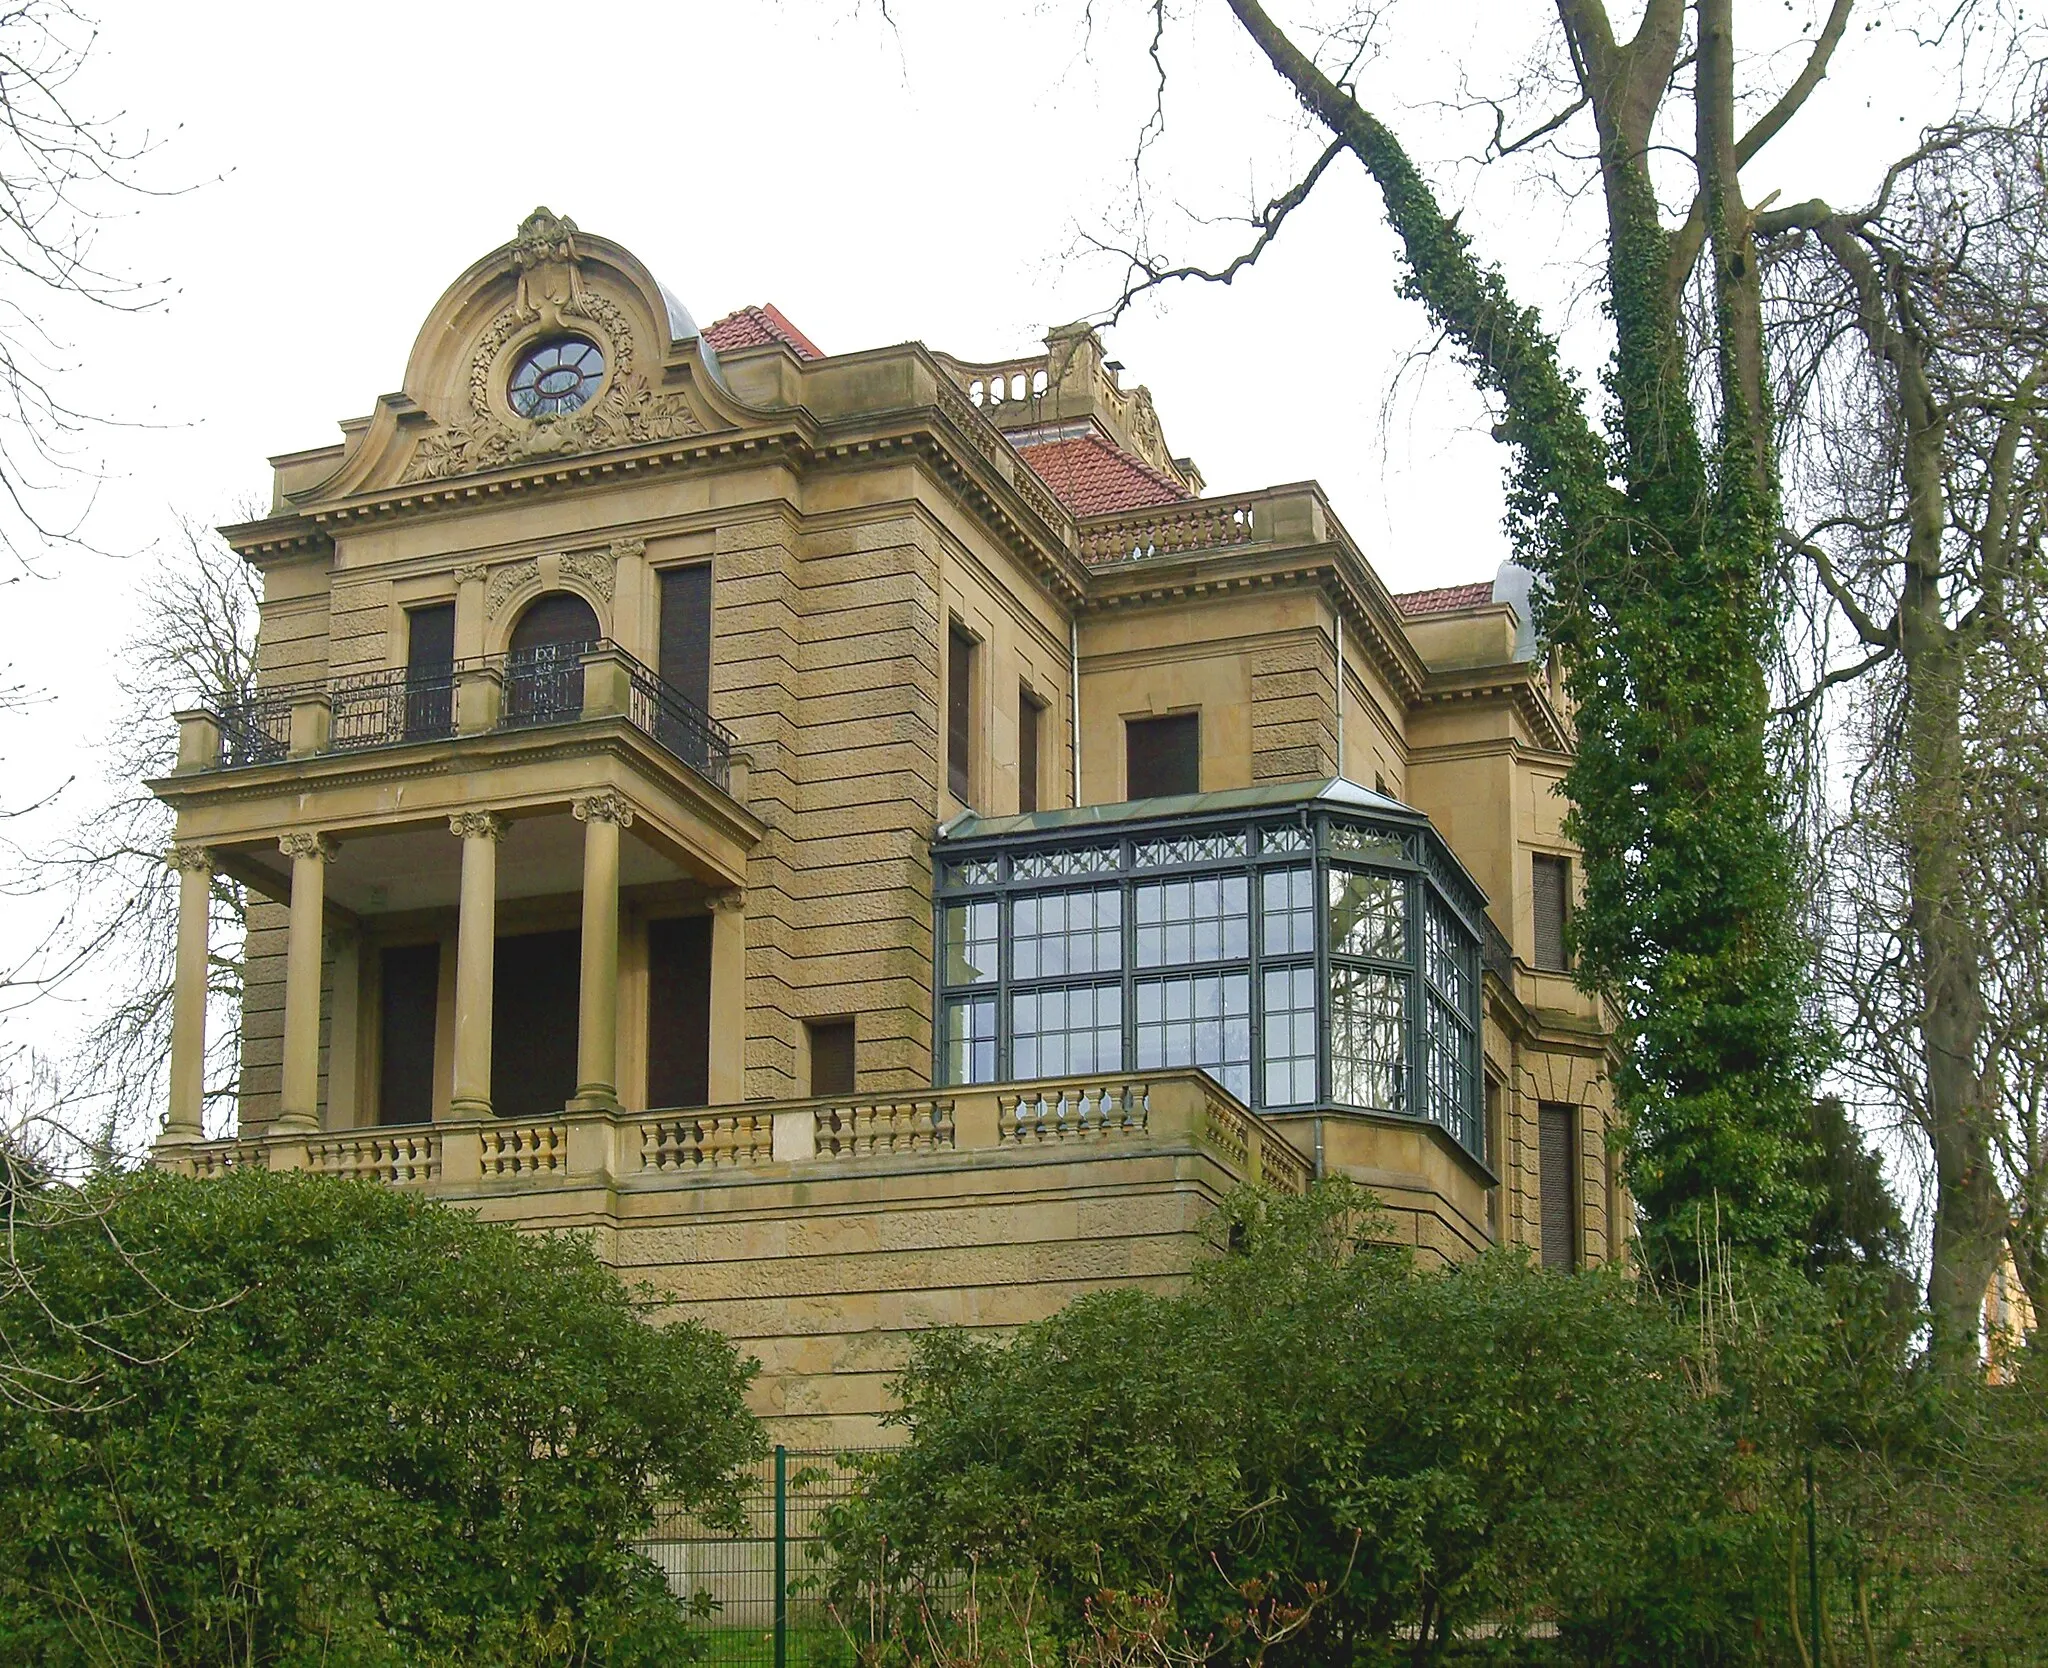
[1027, 751]
[1162, 756]
[831, 1057]
[1552, 887]
[959, 713]
[1557, 1160]
[686, 631]
[430, 639]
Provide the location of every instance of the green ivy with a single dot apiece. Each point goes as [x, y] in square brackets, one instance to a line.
[1653, 567]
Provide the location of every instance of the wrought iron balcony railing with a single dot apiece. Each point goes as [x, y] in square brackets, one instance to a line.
[553, 684]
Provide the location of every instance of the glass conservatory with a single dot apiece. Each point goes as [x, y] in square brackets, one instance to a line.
[1310, 946]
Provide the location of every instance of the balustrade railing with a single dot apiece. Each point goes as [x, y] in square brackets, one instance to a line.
[256, 729]
[1176, 1109]
[1170, 530]
[549, 684]
[372, 708]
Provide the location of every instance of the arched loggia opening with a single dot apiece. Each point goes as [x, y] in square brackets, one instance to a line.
[544, 661]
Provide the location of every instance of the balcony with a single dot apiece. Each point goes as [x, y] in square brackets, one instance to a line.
[1170, 1113]
[536, 689]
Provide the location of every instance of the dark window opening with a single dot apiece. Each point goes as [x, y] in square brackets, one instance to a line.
[533, 1023]
[544, 663]
[686, 632]
[430, 671]
[959, 710]
[409, 999]
[1162, 756]
[679, 1012]
[1557, 1192]
[1552, 885]
[1028, 711]
[831, 1056]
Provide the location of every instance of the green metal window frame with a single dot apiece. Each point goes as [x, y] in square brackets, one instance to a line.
[1441, 916]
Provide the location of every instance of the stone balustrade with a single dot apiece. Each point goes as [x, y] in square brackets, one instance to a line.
[1077, 1118]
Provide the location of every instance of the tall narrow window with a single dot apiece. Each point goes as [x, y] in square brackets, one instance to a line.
[410, 979]
[679, 1011]
[831, 1056]
[959, 713]
[686, 631]
[1028, 709]
[1552, 878]
[430, 671]
[1557, 1194]
[1162, 756]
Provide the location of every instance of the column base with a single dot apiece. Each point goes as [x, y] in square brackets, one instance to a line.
[594, 1097]
[469, 1109]
[296, 1123]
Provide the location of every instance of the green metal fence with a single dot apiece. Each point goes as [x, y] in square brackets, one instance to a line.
[765, 1581]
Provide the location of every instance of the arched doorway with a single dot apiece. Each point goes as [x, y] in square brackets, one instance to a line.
[543, 663]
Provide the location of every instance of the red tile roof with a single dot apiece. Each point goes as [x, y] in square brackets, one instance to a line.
[1091, 476]
[760, 327]
[1445, 599]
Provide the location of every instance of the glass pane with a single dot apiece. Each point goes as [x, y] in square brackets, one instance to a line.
[1450, 955]
[1203, 1020]
[1067, 1031]
[1367, 1049]
[970, 1040]
[1288, 1008]
[970, 943]
[1452, 1073]
[1055, 934]
[1287, 912]
[1207, 918]
[1369, 914]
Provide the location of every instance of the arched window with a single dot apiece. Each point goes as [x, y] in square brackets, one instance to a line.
[544, 662]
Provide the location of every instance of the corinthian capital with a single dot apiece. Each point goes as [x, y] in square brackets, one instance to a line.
[607, 806]
[184, 856]
[477, 825]
[308, 845]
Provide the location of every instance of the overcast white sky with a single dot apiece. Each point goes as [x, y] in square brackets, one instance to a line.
[879, 184]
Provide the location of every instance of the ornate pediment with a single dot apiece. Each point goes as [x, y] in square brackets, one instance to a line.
[557, 295]
[629, 412]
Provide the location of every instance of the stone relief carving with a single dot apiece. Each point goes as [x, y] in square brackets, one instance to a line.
[472, 571]
[595, 568]
[507, 582]
[630, 412]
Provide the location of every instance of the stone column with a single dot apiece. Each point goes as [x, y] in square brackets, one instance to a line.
[194, 868]
[597, 1008]
[476, 944]
[299, 1102]
[727, 1071]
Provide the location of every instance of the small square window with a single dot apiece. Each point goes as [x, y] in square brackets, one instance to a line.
[1162, 756]
[831, 1056]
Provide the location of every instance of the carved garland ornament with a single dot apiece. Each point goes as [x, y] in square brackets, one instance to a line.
[628, 413]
